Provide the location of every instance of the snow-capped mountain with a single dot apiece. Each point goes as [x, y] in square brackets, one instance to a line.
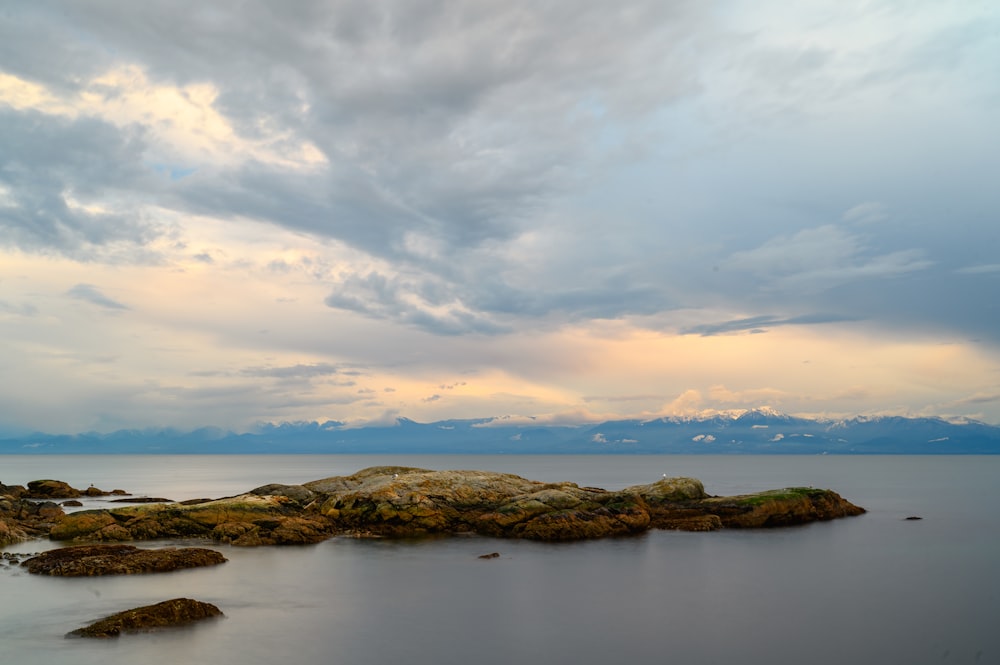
[754, 431]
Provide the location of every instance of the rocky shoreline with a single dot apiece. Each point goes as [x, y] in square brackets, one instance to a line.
[384, 501]
[390, 501]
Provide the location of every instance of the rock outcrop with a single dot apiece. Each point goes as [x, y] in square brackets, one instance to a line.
[169, 613]
[94, 560]
[403, 502]
[30, 512]
[248, 519]
[21, 519]
[57, 489]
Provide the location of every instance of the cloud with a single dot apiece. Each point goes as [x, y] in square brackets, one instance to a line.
[544, 194]
[762, 323]
[822, 257]
[452, 123]
[293, 371]
[90, 293]
[870, 212]
[60, 177]
[986, 269]
[622, 398]
[413, 302]
[978, 398]
[18, 309]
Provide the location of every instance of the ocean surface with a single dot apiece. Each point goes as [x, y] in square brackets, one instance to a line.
[870, 589]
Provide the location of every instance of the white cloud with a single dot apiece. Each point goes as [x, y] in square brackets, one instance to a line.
[870, 212]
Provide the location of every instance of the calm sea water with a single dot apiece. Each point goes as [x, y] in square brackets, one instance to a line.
[871, 589]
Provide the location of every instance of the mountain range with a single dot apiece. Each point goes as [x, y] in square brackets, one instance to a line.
[756, 431]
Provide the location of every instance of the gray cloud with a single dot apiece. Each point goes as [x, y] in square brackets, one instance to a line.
[452, 121]
[755, 324]
[293, 371]
[987, 269]
[18, 309]
[674, 161]
[91, 294]
[383, 297]
[51, 168]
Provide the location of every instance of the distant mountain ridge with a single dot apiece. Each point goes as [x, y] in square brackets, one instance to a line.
[756, 431]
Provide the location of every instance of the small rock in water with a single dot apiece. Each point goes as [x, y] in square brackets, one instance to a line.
[491, 555]
[93, 560]
[176, 612]
[913, 518]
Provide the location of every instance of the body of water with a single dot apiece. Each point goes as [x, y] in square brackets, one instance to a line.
[870, 589]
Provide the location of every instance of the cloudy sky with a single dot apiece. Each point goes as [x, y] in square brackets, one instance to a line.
[240, 212]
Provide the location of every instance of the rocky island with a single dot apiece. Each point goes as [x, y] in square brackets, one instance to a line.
[390, 501]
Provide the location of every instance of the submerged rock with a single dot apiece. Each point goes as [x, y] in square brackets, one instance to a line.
[169, 613]
[93, 560]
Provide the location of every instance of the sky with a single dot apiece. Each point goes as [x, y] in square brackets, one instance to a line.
[231, 213]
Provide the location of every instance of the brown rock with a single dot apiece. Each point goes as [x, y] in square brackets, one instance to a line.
[83, 523]
[244, 520]
[777, 508]
[169, 613]
[93, 560]
[51, 489]
[406, 502]
[12, 491]
[21, 519]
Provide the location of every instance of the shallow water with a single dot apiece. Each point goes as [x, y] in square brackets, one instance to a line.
[871, 589]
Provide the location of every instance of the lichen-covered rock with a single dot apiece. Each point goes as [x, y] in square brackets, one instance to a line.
[169, 613]
[51, 489]
[402, 501]
[81, 524]
[12, 491]
[776, 508]
[57, 489]
[406, 501]
[21, 519]
[94, 560]
[297, 493]
[248, 519]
